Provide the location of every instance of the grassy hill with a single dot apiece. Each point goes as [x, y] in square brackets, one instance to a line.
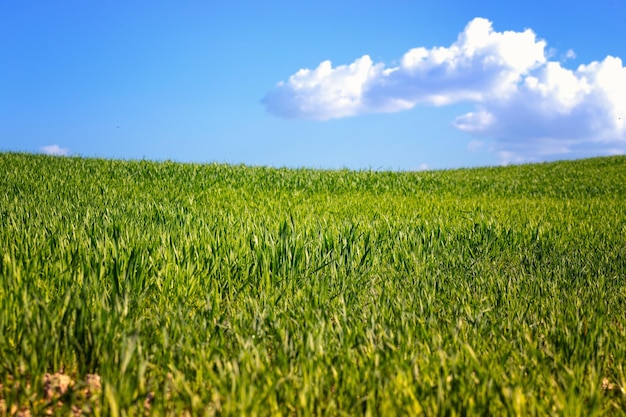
[130, 287]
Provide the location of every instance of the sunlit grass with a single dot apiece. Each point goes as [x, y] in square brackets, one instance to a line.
[233, 290]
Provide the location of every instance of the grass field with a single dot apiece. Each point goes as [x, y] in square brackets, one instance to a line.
[136, 287]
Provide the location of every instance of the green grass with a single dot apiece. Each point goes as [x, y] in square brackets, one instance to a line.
[232, 290]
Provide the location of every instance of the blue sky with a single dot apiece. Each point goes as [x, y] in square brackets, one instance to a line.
[392, 84]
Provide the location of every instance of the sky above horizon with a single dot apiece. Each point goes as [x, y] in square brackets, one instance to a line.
[393, 84]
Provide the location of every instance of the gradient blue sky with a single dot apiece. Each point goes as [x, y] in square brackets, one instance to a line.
[199, 81]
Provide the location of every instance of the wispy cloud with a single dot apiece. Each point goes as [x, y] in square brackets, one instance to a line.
[54, 150]
[570, 54]
[475, 145]
[528, 106]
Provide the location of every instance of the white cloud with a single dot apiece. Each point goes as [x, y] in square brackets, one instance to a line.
[480, 63]
[475, 145]
[54, 150]
[325, 92]
[529, 106]
[556, 111]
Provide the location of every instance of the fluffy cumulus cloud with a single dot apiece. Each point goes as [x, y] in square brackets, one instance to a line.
[325, 92]
[54, 150]
[556, 111]
[527, 106]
